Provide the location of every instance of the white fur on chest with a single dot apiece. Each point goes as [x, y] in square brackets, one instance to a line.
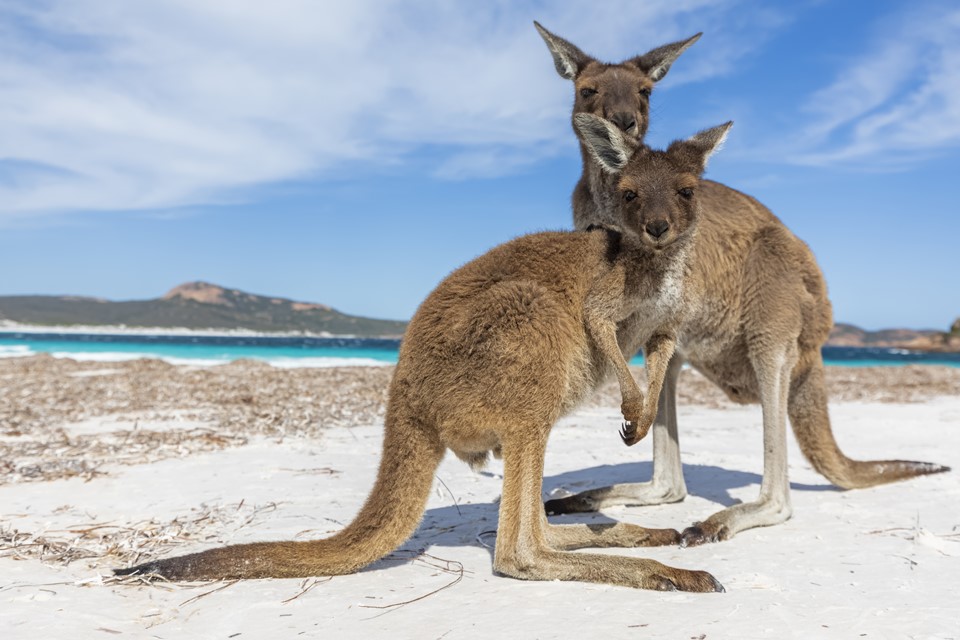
[667, 299]
[661, 306]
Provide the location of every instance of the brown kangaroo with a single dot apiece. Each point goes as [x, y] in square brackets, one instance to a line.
[757, 314]
[500, 350]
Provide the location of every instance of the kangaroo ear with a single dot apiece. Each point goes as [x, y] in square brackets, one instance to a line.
[656, 63]
[604, 140]
[697, 150]
[567, 58]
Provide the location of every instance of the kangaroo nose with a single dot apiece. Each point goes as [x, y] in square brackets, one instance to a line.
[657, 228]
[624, 120]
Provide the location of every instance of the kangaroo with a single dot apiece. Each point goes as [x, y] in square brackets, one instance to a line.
[501, 349]
[758, 314]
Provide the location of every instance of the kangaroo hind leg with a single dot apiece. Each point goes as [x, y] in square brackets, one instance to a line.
[773, 505]
[522, 549]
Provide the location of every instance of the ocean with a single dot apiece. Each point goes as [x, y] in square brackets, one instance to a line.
[321, 352]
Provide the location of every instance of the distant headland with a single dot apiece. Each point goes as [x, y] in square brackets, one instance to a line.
[930, 340]
[194, 306]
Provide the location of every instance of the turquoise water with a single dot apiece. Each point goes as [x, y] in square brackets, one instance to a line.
[203, 351]
[320, 352]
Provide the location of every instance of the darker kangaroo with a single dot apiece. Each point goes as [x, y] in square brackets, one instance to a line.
[501, 349]
[757, 314]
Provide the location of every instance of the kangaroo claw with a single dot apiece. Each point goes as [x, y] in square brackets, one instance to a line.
[628, 433]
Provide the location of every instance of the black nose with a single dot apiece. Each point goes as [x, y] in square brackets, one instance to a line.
[657, 228]
[624, 120]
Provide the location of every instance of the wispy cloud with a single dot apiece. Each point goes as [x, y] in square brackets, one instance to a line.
[167, 103]
[896, 103]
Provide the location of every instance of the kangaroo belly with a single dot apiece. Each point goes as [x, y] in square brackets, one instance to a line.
[727, 365]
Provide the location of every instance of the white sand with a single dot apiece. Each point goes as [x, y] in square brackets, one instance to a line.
[876, 563]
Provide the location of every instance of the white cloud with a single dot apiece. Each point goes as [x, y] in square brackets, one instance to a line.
[167, 103]
[898, 102]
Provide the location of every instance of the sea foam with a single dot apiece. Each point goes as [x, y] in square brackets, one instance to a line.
[15, 351]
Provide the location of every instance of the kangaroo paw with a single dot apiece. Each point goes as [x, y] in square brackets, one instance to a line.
[631, 434]
[628, 433]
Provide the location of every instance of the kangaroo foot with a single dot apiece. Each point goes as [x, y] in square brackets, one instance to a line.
[686, 580]
[566, 537]
[639, 573]
[570, 504]
[631, 494]
[702, 534]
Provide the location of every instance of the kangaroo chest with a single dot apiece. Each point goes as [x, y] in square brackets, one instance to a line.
[658, 300]
[655, 302]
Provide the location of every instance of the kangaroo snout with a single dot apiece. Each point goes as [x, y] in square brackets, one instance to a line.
[624, 120]
[657, 228]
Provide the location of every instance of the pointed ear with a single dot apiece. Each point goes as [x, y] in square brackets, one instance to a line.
[604, 140]
[567, 58]
[656, 63]
[697, 150]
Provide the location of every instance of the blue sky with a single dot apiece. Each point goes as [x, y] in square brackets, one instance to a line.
[354, 153]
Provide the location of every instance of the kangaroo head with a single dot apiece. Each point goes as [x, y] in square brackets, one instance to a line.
[618, 92]
[655, 191]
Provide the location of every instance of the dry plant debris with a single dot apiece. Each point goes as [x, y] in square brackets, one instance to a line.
[108, 544]
[42, 396]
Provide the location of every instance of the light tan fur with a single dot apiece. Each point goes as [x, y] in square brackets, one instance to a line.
[755, 318]
[500, 350]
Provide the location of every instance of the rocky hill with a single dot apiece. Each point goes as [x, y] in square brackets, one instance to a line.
[848, 335]
[195, 305]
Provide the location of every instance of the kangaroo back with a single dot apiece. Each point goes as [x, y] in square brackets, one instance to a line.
[411, 455]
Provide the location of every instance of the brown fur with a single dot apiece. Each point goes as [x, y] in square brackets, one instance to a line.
[501, 349]
[757, 316]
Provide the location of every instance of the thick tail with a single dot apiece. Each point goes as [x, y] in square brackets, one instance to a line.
[411, 455]
[807, 407]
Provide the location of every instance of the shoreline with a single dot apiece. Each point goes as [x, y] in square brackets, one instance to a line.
[327, 361]
[7, 326]
[215, 347]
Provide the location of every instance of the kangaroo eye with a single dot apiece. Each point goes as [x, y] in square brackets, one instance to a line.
[586, 93]
[645, 92]
[629, 195]
[686, 193]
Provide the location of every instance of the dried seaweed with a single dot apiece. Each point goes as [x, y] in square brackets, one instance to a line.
[108, 544]
[198, 409]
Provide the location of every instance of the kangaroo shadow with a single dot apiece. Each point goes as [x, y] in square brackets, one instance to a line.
[475, 524]
[457, 525]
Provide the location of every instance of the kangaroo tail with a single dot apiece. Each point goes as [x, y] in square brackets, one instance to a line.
[411, 454]
[807, 407]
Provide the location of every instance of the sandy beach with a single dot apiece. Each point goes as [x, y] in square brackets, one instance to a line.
[102, 465]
